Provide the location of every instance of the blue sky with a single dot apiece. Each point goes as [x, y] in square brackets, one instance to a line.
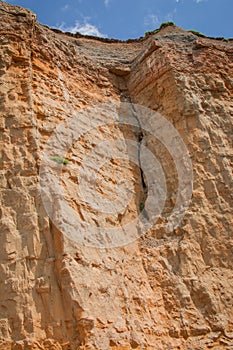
[124, 19]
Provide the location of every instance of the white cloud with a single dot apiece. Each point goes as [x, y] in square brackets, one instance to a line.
[83, 28]
[106, 2]
[170, 16]
[152, 20]
[66, 7]
[196, 1]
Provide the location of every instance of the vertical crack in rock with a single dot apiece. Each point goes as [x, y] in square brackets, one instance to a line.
[140, 135]
[138, 132]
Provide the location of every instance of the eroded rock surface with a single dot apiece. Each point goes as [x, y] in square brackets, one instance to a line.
[163, 291]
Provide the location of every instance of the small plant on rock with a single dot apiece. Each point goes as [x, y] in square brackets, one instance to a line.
[59, 160]
[141, 206]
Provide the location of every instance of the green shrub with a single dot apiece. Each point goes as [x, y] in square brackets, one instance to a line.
[166, 24]
[141, 206]
[196, 32]
[163, 25]
[151, 32]
[59, 160]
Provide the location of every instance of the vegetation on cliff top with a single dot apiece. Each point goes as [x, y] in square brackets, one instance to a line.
[163, 25]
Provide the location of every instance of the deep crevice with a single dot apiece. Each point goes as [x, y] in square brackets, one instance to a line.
[138, 133]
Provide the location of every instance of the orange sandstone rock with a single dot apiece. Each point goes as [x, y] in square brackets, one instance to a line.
[163, 291]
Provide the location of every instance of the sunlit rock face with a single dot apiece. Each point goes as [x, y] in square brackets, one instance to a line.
[89, 129]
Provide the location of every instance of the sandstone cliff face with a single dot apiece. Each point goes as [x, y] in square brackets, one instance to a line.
[165, 290]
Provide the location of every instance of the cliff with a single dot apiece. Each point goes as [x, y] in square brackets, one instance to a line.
[90, 128]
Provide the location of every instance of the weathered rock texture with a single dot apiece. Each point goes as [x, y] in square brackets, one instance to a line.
[164, 291]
